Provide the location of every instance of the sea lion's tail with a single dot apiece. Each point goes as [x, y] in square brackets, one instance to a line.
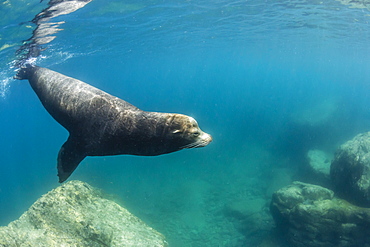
[23, 73]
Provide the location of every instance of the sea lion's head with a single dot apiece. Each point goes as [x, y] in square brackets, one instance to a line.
[185, 132]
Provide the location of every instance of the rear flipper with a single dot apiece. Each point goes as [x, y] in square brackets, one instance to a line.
[69, 158]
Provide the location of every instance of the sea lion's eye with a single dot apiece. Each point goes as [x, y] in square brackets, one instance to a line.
[196, 134]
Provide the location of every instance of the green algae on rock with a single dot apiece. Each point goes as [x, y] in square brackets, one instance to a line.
[350, 170]
[311, 216]
[76, 214]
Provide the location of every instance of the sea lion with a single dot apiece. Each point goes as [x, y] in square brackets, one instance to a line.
[100, 124]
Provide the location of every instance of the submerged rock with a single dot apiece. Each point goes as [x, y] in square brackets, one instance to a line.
[310, 215]
[350, 170]
[319, 166]
[319, 162]
[76, 214]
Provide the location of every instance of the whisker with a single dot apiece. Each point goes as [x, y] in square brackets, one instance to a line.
[195, 144]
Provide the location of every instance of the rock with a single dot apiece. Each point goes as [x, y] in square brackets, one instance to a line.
[309, 215]
[319, 166]
[350, 170]
[76, 214]
[319, 162]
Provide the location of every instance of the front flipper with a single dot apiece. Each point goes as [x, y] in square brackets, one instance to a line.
[68, 159]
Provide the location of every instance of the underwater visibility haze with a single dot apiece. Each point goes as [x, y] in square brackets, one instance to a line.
[269, 80]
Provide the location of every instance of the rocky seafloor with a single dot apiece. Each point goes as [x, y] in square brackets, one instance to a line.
[76, 214]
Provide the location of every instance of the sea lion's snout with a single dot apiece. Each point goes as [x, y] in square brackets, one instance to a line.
[206, 139]
[202, 140]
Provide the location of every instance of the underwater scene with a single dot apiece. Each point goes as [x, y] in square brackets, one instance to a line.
[280, 90]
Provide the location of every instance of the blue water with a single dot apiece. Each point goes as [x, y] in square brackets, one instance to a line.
[268, 80]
